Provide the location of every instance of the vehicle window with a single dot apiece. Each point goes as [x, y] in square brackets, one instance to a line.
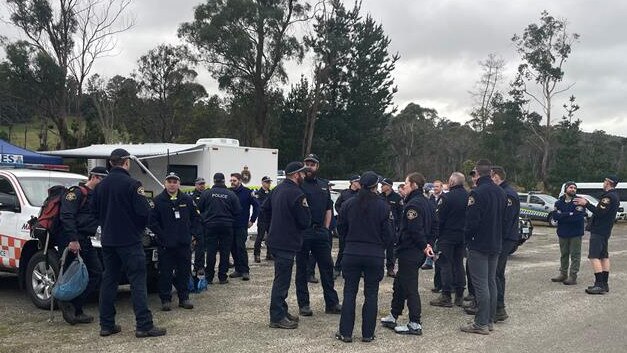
[536, 199]
[36, 188]
[522, 198]
[592, 192]
[6, 187]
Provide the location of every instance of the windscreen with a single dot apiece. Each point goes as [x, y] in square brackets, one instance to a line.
[36, 188]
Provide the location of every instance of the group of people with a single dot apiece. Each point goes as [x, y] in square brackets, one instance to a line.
[377, 231]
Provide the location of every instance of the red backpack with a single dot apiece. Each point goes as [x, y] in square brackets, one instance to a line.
[48, 220]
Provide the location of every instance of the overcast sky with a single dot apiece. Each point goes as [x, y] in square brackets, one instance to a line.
[440, 43]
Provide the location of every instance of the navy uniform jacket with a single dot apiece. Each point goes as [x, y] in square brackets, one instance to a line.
[396, 206]
[418, 222]
[345, 195]
[319, 199]
[604, 214]
[77, 221]
[262, 195]
[485, 217]
[570, 218]
[368, 231]
[512, 213]
[170, 230]
[121, 208]
[196, 196]
[288, 210]
[246, 200]
[452, 215]
[218, 207]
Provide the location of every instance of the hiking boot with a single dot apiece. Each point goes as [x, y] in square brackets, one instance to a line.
[312, 279]
[474, 328]
[469, 298]
[104, 332]
[560, 278]
[305, 311]
[443, 301]
[571, 280]
[291, 317]
[67, 309]
[153, 332]
[471, 310]
[166, 306]
[367, 339]
[83, 318]
[257, 259]
[596, 289]
[245, 276]
[186, 304]
[235, 274]
[412, 328]
[459, 300]
[388, 321]
[345, 339]
[501, 315]
[337, 309]
[284, 324]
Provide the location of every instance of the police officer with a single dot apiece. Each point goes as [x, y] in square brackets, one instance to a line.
[123, 210]
[485, 223]
[417, 222]
[603, 218]
[262, 226]
[395, 201]
[218, 208]
[511, 238]
[243, 221]
[570, 228]
[174, 220]
[316, 241]
[451, 209]
[198, 239]
[289, 216]
[345, 195]
[199, 187]
[78, 224]
[365, 222]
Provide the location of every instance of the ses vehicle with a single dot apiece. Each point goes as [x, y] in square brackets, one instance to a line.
[596, 190]
[537, 207]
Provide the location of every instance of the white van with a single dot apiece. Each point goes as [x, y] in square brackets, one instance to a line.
[596, 190]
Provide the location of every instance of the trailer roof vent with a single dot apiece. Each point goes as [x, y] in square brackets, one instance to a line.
[218, 141]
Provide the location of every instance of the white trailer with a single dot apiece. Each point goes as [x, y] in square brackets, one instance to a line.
[202, 159]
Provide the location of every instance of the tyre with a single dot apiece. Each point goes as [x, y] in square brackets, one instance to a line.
[551, 220]
[39, 279]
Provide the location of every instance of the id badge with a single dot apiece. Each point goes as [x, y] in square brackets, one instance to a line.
[177, 215]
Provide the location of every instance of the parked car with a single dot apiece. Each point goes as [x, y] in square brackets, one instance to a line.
[537, 207]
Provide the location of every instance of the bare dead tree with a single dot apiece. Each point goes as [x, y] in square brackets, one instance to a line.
[486, 87]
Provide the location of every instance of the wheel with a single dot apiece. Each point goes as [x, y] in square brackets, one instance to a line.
[551, 220]
[39, 279]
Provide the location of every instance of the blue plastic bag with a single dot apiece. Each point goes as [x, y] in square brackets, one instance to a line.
[73, 281]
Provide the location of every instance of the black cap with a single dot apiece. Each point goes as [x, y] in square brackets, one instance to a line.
[387, 181]
[266, 179]
[353, 178]
[119, 153]
[312, 158]
[295, 167]
[199, 181]
[613, 178]
[218, 178]
[172, 175]
[369, 180]
[569, 183]
[99, 171]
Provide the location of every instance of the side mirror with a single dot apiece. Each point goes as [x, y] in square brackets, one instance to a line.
[9, 203]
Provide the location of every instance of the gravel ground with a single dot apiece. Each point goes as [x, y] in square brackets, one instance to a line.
[234, 317]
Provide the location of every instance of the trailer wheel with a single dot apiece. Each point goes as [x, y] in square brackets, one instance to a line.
[39, 279]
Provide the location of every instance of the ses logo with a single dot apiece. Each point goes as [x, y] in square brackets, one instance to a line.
[11, 158]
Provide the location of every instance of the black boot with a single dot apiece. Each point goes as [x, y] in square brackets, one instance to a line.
[501, 314]
[598, 287]
[606, 276]
[459, 297]
[444, 300]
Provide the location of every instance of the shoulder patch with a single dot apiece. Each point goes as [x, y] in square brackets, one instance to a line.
[509, 202]
[391, 216]
[70, 196]
[579, 208]
[412, 214]
[305, 204]
[471, 200]
[151, 203]
[606, 200]
[140, 190]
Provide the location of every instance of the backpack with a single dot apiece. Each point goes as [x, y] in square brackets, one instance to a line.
[48, 221]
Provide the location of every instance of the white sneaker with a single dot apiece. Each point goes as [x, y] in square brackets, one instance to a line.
[389, 321]
[412, 328]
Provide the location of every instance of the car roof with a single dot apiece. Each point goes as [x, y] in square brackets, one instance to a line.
[20, 173]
